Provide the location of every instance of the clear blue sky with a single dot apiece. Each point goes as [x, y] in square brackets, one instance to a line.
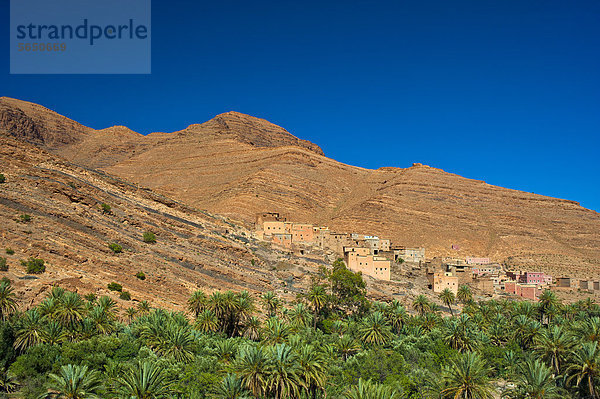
[503, 91]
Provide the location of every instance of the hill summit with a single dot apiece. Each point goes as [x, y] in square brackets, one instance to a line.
[238, 165]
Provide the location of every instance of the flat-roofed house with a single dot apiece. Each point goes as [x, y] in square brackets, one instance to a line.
[441, 281]
[361, 260]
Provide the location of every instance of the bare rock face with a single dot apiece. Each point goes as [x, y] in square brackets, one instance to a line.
[37, 124]
[69, 230]
[237, 165]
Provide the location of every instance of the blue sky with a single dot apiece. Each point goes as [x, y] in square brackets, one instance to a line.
[502, 91]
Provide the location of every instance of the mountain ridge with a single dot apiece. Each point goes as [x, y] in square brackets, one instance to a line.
[238, 165]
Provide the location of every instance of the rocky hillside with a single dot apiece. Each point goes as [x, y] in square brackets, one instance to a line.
[237, 165]
[52, 210]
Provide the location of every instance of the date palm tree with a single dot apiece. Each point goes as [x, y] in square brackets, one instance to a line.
[270, 302]
[197, 302]
[109, 307]
[421, 304]
[207, 321]
[74, 382]
[276, 331]
[374, 329]
[53, 333]
[130, 313]
[464, 294]
[145, 380]
[300, 316]
[547, 306]
[283, 372]
[252, 365]
[231, 387]
[7, 381]
[71, 310]
[317, 297]
[347, 346]
[370, 390]
[467, 377]
[143, 307]
[252, 328]
[585, 367]
[447, 297]
[31, 332]
[553, 345]
[396, 315]
[534, 380]
[8, 304]
[312, 369]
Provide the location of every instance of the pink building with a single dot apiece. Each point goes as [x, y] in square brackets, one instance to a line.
[477, 261]
[527, 291]
[538, 278]
[510, 287]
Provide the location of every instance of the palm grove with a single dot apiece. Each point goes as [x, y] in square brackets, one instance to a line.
[330, 343]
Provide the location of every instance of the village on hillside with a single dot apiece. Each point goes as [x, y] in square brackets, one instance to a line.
[380, 259]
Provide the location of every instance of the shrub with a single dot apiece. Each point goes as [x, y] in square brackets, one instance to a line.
[3, 265]
[125, 295]
[25, 218]
[106, 209]
[149, 237]
[71, 184]
[34, 266]
[116, 248]
[141, 275]
[2, 178]
[9, 251]
[115, 287]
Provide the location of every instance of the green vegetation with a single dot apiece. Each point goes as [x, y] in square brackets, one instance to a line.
[106, 209]
[9, 251]
[2, 178]
[3, 265]
[34, 266]
[25, 218]
[116, 248]
[125, 295]
[141, 275]
[115, 287]
[149, 237]
[331, 342]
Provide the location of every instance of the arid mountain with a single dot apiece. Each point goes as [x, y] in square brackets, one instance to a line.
[71, 232]
[237, 165]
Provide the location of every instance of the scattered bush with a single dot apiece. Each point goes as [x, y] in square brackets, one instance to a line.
[106, 209]
[9, 251]
[2, 178]
[115, 287]
[71, 184]
[125, 295]
[116, 248]
[25, 218]
[34, 266]
[141, 275]
[3, 265]
[149, 237]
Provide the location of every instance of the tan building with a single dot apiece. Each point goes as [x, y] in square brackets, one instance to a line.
[283, 240]
[321, 236]
[361, 260]
[274, 227]
[415, 255]
[441, 281]
[302, 233]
